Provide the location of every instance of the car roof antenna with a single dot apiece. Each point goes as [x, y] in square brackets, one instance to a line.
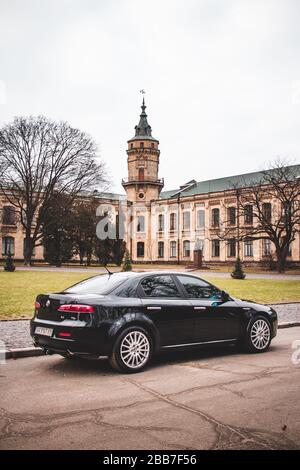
[109, 272]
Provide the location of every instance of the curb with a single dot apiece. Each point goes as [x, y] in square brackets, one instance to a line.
[23, 352]
[32, 351]
[288, 324]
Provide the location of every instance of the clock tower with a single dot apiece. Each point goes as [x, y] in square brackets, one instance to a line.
[143, 184]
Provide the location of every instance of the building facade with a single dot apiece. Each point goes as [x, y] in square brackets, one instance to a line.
[171, 226]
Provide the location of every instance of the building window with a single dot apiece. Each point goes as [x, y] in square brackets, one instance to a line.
[173, 221]
[186, 220]
[231, 248]
[231, 215]
[215, 213]
[248, 214]
[152, 145]
[8, 246]
[140, 249]
[215, 245]
[173, 250]
[248, 247]
[286, 212]
[142, 145]
[200, 219]
[267, 211]
[160, 249]
[161, 222]
[131, 146]
[9, 215]
[266, 245]
[140, 223]
[186, 249]
[24, 246]
[141, 174]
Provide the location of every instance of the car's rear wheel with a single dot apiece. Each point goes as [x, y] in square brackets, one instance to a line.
[258, 337]
[132, 350]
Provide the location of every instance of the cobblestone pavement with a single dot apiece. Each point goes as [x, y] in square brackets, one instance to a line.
[15, 333]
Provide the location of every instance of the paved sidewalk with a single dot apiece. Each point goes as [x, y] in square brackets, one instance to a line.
[208, 273]
[15, 333]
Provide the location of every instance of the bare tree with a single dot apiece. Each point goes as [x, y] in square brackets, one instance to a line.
[39, 158]
[269, 208]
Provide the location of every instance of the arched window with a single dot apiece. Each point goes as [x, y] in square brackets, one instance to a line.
[161, 249]
[215, 248]
[215, 219]
[186, 220]
[161, 223]
[186, 248]
[173, 253]
[141, 174]
[200, 219]
[231, 215]
[9, 215]
[173, 221]
[140, 249]
[248, 247]
[140, 223]
[248, 214]
[267, 211]
[8, 246]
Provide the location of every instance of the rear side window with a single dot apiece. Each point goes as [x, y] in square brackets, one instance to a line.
[159, 286]
[198, 289]
[103, 284]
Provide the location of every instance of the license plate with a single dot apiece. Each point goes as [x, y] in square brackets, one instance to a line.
[40, 330]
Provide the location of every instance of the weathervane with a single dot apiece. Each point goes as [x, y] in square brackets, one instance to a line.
[142, 91]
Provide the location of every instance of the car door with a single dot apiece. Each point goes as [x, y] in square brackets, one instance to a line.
[215, 319]
[164, 302]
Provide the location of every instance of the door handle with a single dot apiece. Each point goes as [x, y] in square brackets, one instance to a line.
[199, 308]
[153, 308]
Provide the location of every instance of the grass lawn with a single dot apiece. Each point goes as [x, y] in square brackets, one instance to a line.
[267, 291]
[19, 289]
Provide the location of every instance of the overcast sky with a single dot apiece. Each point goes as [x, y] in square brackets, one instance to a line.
[222, 78]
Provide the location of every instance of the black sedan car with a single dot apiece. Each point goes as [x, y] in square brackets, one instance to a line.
[130, 316]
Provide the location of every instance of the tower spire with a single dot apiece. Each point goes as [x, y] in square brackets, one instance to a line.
[143, 129]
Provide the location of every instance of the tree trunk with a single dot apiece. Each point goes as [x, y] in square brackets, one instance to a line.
[281, 261]
[28, 249]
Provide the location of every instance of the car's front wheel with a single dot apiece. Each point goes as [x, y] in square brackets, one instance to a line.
[258, 337]
[132, 350]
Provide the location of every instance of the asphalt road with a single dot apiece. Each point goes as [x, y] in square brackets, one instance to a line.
[194, 400]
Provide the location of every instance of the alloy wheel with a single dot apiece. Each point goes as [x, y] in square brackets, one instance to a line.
[260, 334]
[135, 349]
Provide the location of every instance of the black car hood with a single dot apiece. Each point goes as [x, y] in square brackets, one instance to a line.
[251, 304]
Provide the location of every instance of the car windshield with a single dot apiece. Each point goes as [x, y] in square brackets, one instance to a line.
[103, 284]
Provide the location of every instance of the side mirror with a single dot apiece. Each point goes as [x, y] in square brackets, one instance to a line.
[225, 296]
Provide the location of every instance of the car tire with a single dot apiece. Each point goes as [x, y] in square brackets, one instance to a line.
[258, 336]
[132, 350]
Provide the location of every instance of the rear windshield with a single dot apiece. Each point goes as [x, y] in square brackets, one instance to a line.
[103, 284]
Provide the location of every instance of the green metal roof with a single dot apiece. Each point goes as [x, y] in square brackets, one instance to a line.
[220, 184]
[114, 196]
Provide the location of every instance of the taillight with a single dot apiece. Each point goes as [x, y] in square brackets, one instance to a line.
[76, 308]
[37, 305]
[64, 334]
